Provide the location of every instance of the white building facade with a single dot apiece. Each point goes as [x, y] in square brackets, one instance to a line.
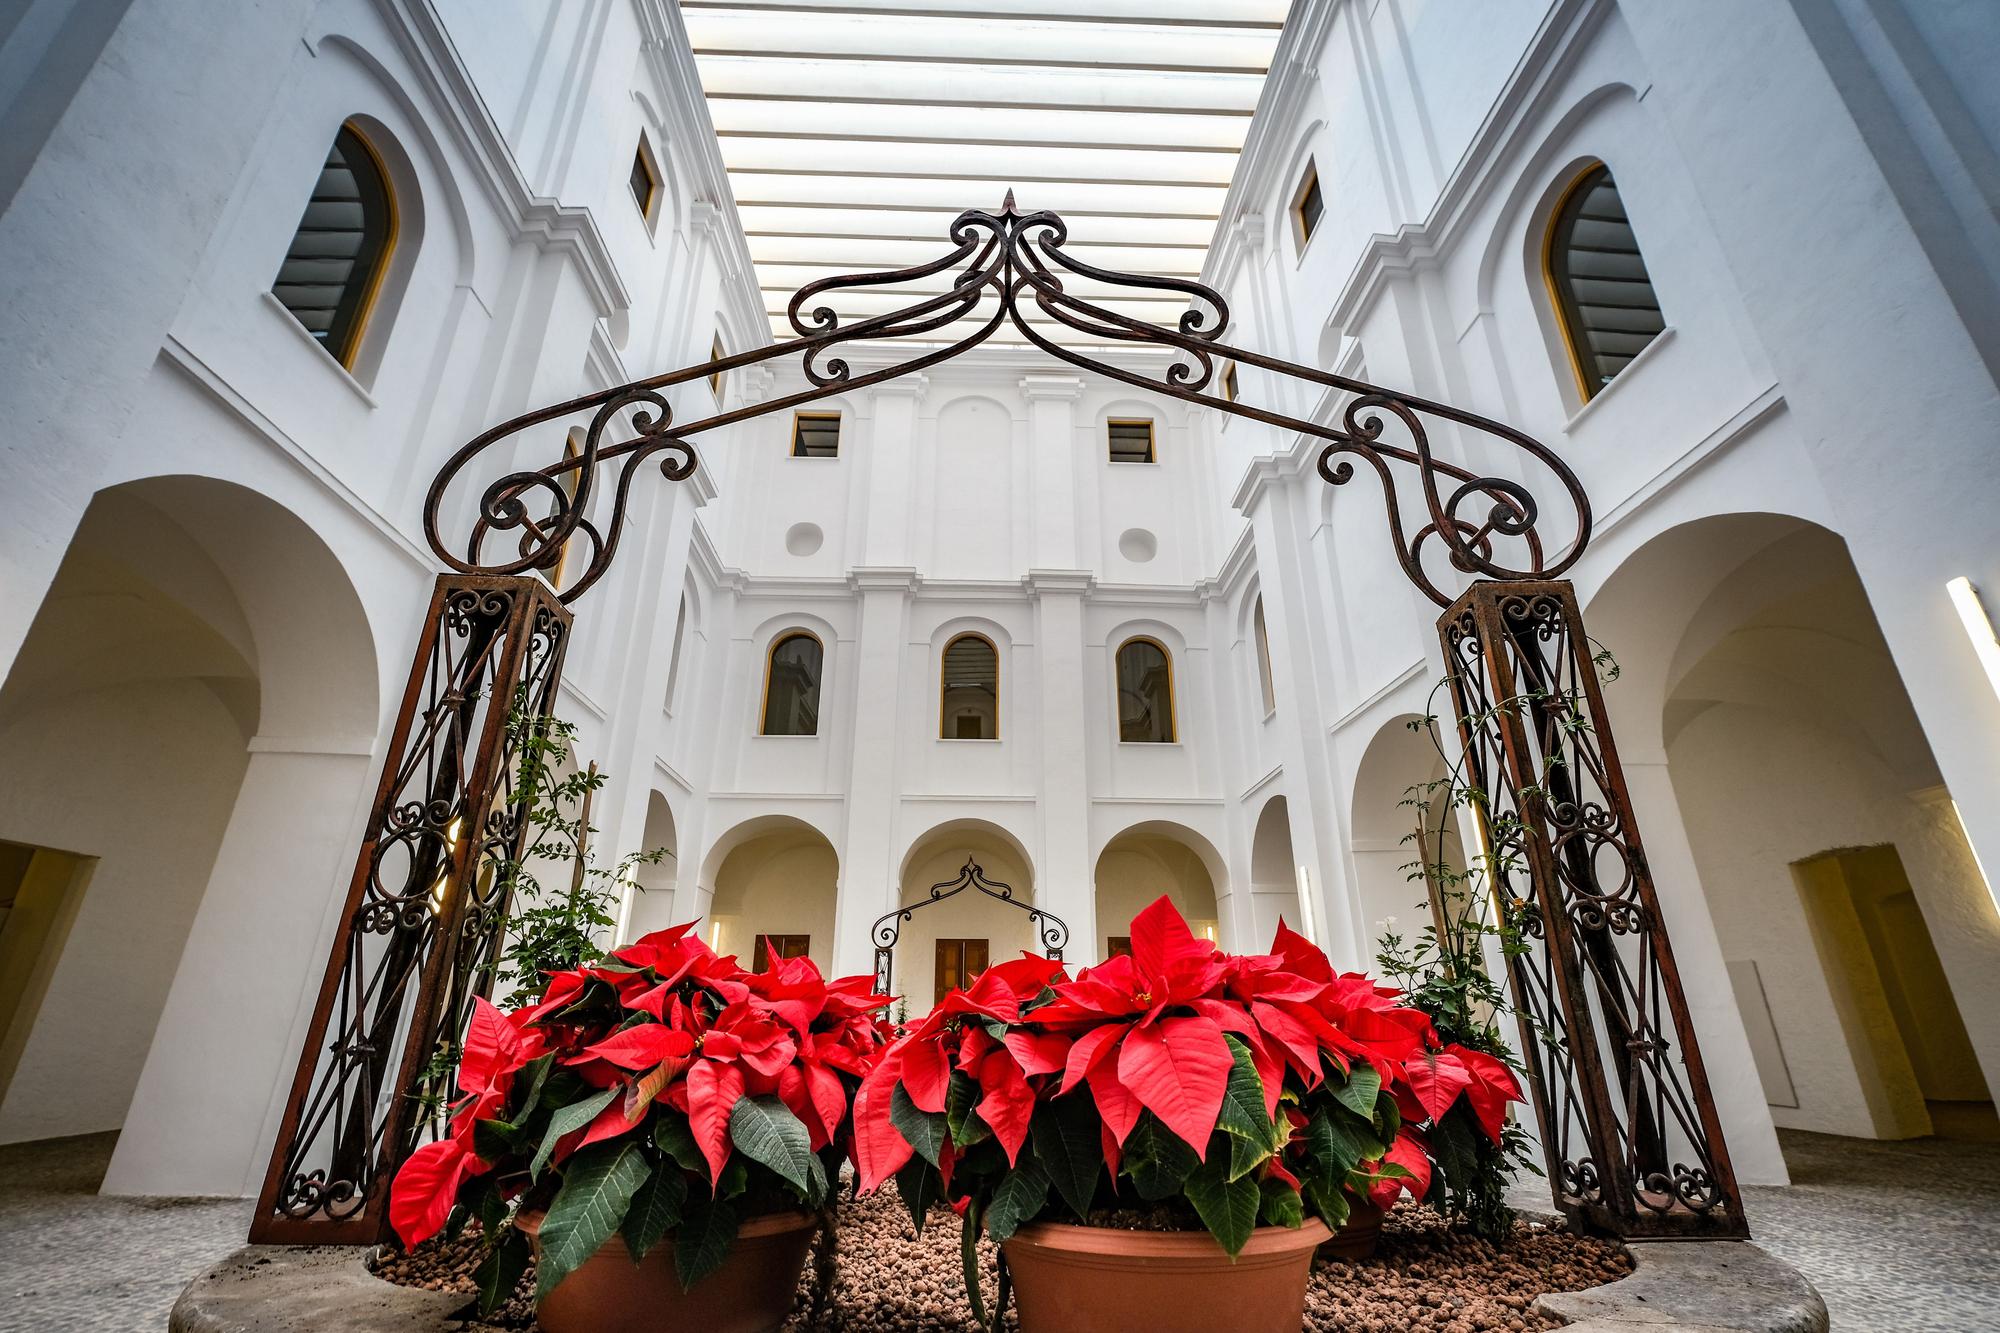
[993, 624]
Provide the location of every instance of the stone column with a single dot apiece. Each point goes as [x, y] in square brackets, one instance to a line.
[242, 996]
[1064, 881]
[868, 879]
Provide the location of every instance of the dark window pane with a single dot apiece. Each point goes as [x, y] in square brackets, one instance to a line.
[970, 684]
[1145, 693]
[815, 436]
[644, 184]
[1310, 206]
[335, 262]
[1131, 441]
[1603, 293]
[791, 695]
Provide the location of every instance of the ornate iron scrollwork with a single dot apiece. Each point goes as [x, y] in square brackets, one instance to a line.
[1051, 929]
[1008, 266]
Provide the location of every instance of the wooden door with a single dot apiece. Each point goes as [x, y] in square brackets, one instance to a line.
[958, 963]
[788, 946]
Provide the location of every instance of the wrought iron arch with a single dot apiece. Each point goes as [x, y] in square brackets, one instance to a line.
[415, 946]
[1050, 929]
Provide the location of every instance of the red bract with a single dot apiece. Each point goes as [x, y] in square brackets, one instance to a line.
[668, 1027]
[1166, 1031]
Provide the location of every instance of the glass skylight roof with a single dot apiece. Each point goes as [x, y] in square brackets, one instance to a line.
[854, 131]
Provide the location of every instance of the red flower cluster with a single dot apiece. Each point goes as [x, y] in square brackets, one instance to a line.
[1157, 1031]
[665, 1028]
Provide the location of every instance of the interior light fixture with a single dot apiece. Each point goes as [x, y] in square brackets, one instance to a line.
[1978, 627]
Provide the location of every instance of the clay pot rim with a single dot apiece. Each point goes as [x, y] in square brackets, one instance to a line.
[751, 1228]
[1080, 1239]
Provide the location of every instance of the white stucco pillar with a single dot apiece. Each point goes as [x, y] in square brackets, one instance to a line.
[642, 656]
[1711, 1001]
[1052, 469]
[1063, 870]
[868, 870]
[1326, 897]
[207, 1105]
[891, 446]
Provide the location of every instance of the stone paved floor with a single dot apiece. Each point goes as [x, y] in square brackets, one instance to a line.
[1896, 1236]
[1901, 1237]
[72, 1261]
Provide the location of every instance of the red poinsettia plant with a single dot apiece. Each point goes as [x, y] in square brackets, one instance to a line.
[663, 1090]
[1241, 1089]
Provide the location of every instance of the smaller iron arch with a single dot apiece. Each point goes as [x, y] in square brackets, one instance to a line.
[1051, 930]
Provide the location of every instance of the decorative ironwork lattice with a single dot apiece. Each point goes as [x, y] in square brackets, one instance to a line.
[1628, 1124]
[1051, 929]
[425, 915]
[346, 1128]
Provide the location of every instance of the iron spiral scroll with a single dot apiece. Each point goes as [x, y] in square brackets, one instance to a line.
[1006, 265]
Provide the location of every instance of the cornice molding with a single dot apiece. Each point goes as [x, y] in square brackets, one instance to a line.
[543, 221]
[1052, 388]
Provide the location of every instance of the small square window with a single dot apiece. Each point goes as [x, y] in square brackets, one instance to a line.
[645, 181]
[816, 435]
[1307, 206]
[1131, 441]
[715, 353]
[1229, 382]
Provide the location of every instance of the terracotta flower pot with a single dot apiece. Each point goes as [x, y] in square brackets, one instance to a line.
[1069, 1278]
[1357, 1236]
[751, 1293]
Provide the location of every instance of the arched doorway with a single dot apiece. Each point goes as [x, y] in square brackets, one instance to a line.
[190, 716]
[951, 941]
[1859, 936]
[1274, 883]
[775, 881]
[653, 905]
[1403, 831]
[1142, 863]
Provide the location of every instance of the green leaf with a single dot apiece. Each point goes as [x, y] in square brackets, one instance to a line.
[1357, 1094]
[1281, 1206]
[1245, 1156]
[968, 1256]
[655, 1210]
[766, 1131]
[1336, 1141]
[676, 1140]
[921, 1186]
[959, 1100]
[708, 1229]
[538, 1070]
[1156, 1159]
[500, 1271]
[1329, 1202]
[1070, 1147]
[922, 1130]
[597, 1189]
[1228, 1208]
[567, 1121]
[1243, 1098]
[1020, 1195]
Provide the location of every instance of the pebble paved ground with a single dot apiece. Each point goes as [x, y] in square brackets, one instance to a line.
[1902, 1236]
[1897, 1236]
[74, 1261]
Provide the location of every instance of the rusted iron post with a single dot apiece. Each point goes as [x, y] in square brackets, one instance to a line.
[426, 911]
[1627, 1121]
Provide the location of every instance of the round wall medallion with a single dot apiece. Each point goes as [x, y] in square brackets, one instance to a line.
[1138, 545]
[803, 538]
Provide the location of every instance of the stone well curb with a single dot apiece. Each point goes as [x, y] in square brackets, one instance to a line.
[1696, 1287]
[1690, 1286]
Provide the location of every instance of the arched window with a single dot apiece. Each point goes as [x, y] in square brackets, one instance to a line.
[335, 263]
[791, 686]
[1264, 659]
[969, 690]
[1145, 692]
[1598, 282]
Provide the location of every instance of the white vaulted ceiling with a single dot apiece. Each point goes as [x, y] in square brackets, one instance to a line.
[854, 131]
